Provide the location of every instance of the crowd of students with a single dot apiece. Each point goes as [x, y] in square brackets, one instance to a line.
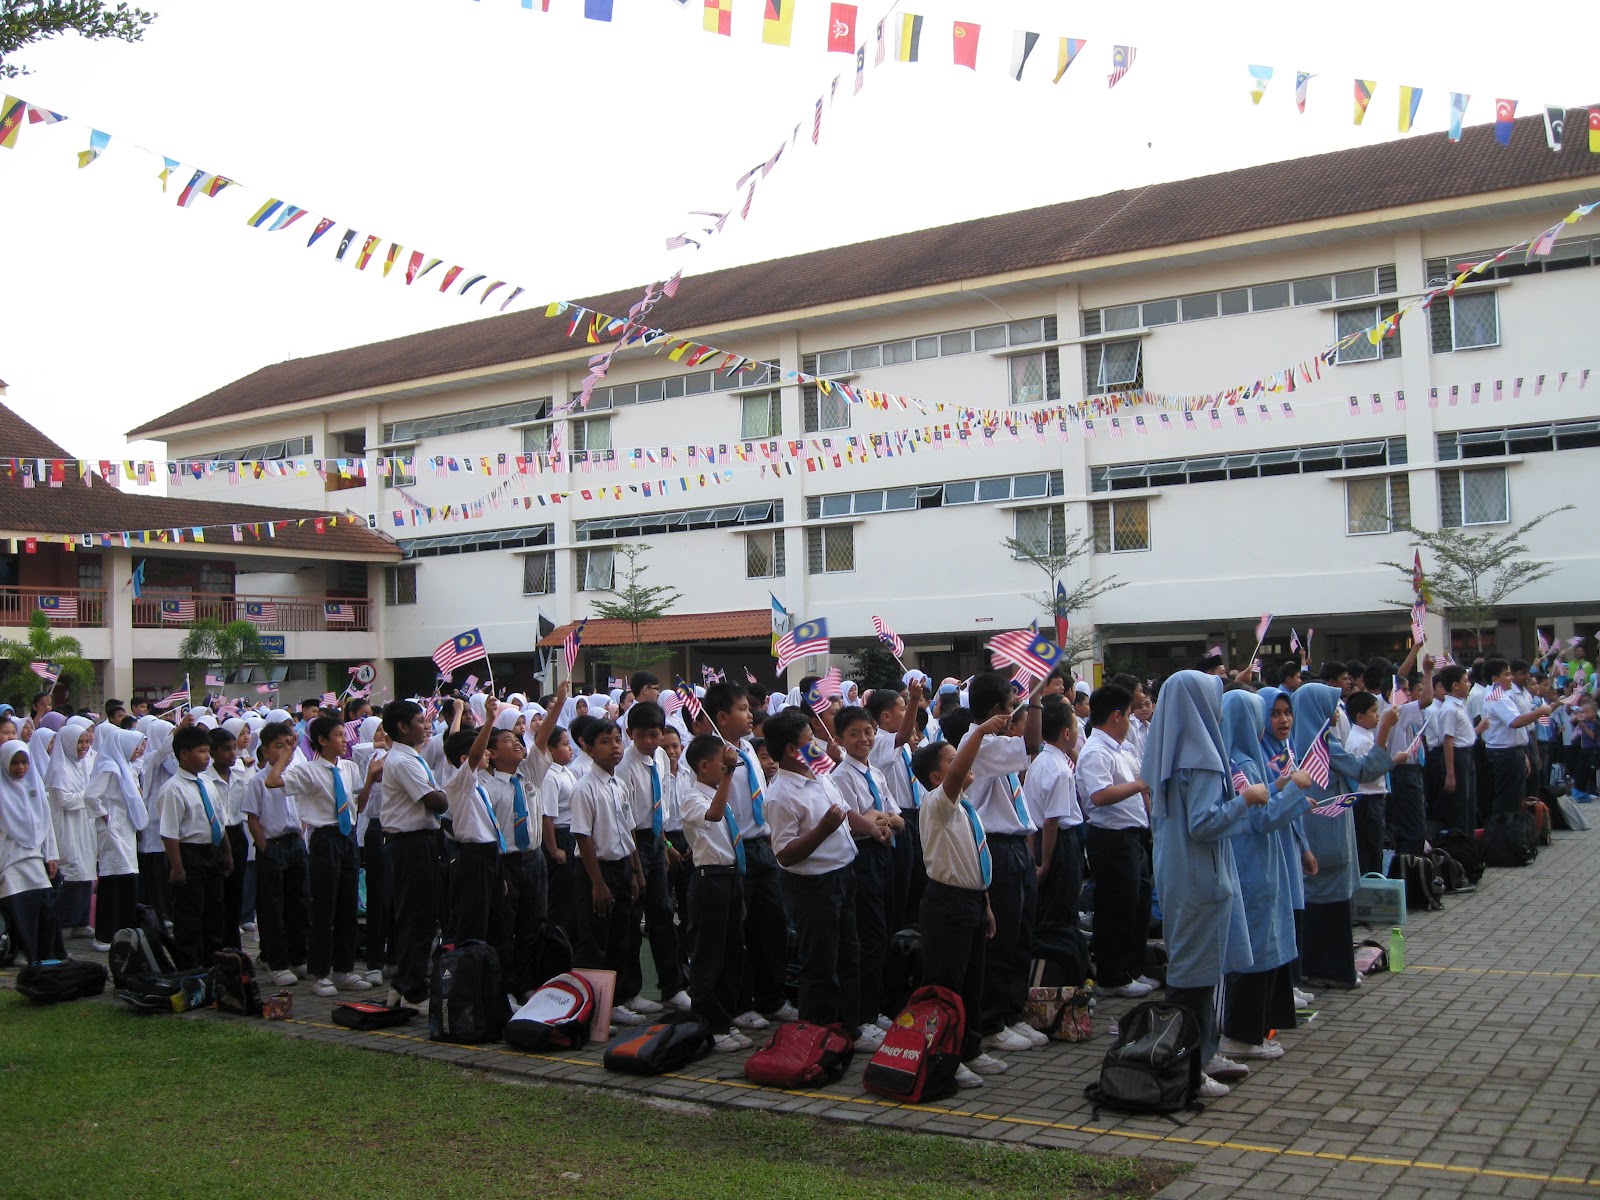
[758, 843]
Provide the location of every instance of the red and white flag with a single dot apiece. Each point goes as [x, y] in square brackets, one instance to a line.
[1316, 763]
[889, 637]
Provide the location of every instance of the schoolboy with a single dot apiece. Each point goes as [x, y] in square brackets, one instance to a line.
[1458, 800]
[1506, 737]
[644, 775]
[330, 791]
[716, 892]
[1371, 795]
[199, 858]
[1051, 792]
[895, 736]
[1407, 803]
[226, 779]
[522, 864]
[679, 859]
[273, 818]
[413, 802]
[476, 894]
[608, 916]
[547, 769]
[877, 829]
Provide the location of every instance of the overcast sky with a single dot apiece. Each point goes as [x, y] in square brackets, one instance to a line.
[558, 153]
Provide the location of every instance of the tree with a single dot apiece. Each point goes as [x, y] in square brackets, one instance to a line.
[637, 602]
[232, 645]
[23, 22]
[42, 644]
[874, 667]
[1471, 574]
[1055, 562]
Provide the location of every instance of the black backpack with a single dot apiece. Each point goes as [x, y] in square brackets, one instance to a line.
[467, 1002]
[1449, 870]
[1154, 1065]
[56, 979]
[1064, 951]
[1508, 840]
[166, 991]
[674, 1040]
[359, 1014]
[162, 947]
[233, 983]
[1424, 887]
[1462, 847]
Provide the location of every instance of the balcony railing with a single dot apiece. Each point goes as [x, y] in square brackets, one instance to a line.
[67, 608]
[270, 614]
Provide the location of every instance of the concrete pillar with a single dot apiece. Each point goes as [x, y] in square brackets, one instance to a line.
[118, 674]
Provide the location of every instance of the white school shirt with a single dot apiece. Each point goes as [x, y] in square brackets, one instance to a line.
[739, 795]
[504, 794]
[893, 763]
[850, 777]
[679, 787]
[600, 812]
[633, 772]
[275, 808]
[555, 794]
[1360, 743]
[182, 813]
[1103, 764]
[949, 842]
[406, 779]
[1501, 712]
[1455, 722]
[311, 784]
[1133, 744]
[470, 809]
[117, 841]
[1474, 702]
[1432, 736]
[795, 805]
[227, 793]
[999, 756]
[709, 843]
[1413, 720]
[1051, 789]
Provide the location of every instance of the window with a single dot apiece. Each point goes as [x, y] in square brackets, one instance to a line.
[1524, 439]
[1042, 530]
[90, 572]
[1262, 297]
[1036, 378]
[1348, 456]
[1113, 366]
[538, 574]
[763, 555]
[1349, 321]
[461, 422]
[824, 412]
[536, 439]
[830, 549]
[290, 448]
[1574, 252]
[596, 569]
[1376, 504]
[936, 495]
[696, 383]
[761, 416]
[399, 472]
[400, 585]
[1470, 321]
[591, 434]
[1121, 525]
[1473, 497]
[958, 341]
[472, 543]
[758, 512]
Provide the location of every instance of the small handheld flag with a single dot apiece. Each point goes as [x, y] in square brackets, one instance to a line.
[1335, 806]
[815, 757]
[1028, 649]
[889, 637]
[808, 637]
[824, 690]
[571, 643]
[1316, 762]
[1063, 625]
[687, 700]
[460, 650]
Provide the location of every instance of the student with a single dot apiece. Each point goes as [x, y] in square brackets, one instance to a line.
[1407, 803]
[679, 870]
[116, 803]
[66, 776]
[1506, 738]
[372, 743]
[1371, 795]
[877, 829]
[1133, 743]
[1278, 762]
[282, 870]
[812, 842]
[895, 737]
[955, 918]
[1289, 675]
[199, 857]
[522, 878]
[547, 770]
[643, 775]
[158, 766]
[1114, 802]
[608, 916]
[138, 708]
[1051, 792]
[477, 908]
[412, 805]
[226, 779]
[28, 857]
[1457, 808]
[716, 893]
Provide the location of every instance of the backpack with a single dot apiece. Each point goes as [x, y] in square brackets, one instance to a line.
[156, 934]
[1569, 809]
[1462, 847]
[1540, 812]
[1061, 955]
[1154, 1065]
[673, 1041]
[1508, 840]
[56, 979]
[801, 1055]
[131, 953]
[466, 1002]
[1424, 887]
[166, 991]
[233, 983]
[1450, 871]
[558, 1016]
[359, 1014]
[1370, 957]
[917, 1060]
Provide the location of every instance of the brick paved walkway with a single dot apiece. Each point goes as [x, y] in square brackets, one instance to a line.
[1475, 1072]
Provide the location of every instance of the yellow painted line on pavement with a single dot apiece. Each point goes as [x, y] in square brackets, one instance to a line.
[1504, 971]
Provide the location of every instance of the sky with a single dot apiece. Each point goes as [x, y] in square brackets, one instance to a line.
[559, 153]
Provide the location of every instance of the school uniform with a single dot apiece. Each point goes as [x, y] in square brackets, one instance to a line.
[379, 927]
[227, 791]
[1458, 810]
[187, 814]
[766, 920]
[1116, 840]
[27, 845]
[996, 792]
[1371, 803]
[414, 846]
[1407, 803]
[553, 784]
[116, 804]
[326, 794]
[522, 876]
[954, 915]
[716, 907]
[477, 908]
[821, 894]
[645, 781]
[600, 812]
[65, 779]
[905, 794]
[1050, 791]
[283, 913]
[1507, 751]
[681, 781]
[865, 792]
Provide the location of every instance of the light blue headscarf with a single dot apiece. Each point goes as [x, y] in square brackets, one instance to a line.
[1186, 732]
[1241, 728]
[1314, 706]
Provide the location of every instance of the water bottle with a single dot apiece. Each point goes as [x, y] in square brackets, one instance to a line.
[1397, 950]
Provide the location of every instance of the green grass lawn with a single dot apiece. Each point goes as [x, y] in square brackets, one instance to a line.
[95, 1101]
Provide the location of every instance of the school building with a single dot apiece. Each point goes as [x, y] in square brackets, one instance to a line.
[1478, 412]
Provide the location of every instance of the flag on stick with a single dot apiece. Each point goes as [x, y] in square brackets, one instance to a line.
[809, 637]
[571, 643]
[889, 637]
[459, 650]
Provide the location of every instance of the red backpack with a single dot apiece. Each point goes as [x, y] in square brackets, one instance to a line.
[801, 1055]
[918, 1058]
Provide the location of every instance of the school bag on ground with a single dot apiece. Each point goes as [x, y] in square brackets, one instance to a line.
[233, 983]
[801, 1055]
[132, 954]
[1450, 871]
[55, 979]
[1060, 1013]
[156, 933]
[359, 1014]
[166, 991]
[467, 1002]
[918, 1057]
[1462, 847]
[1424, 887]
[1540, 812]
[1154, 1065]
[1508, 840]
[674, 1040]
[1571, 813]
[558, 1016]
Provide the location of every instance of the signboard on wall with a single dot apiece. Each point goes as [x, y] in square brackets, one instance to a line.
[274, 643]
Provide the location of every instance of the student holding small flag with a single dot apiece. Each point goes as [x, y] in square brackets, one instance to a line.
[413, 802]
[522, 863]
[873, 825]
[716, 895]
[477, 896]
[894, 739]
[198, 855]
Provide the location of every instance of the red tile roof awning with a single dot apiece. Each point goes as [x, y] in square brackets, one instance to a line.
[739, 625]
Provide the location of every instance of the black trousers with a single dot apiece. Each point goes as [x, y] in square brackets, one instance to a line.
[1258, 1002]
[31, 917]
[1408, 809]
[415, 861]
[716, 946]
[1014, 899]
[562, 883]
[1369, 821]
[380, 909]
[824, 909]
[478, 910]
[1202, 1002]
[1508, 772]
[155, 882]
[910, 875]
[283, 913]
[527, 905]
[766, 929]
[115, 899]
[199, 915]
[1327, 954]
[875, 877]
[1458, 810]
[659, 920]
[607, 943]
[72, 902]
[1063, 882]
[955, 938]
[1122, 884]
[335, 880]
[233, 885]
[678, 879]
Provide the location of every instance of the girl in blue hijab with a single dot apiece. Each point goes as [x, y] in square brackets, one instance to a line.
[1327, 952]
[1194, 811]
[1277, 713]
[1261, 998]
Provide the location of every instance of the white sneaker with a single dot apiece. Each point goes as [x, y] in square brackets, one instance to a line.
[284, 979]
[1237, 1049]
[744, 1042]
[752, 1020]
[394, 999]
[726, 1043]
[83, 931]
[1006, 1040]
[100, 947]
[372, 977]
[324, 987]
[643, 1004]
[1211, 1089]
[248, 927]
[884, 1023]
[1152, 984]
[680, 1002]
[621, 1014]
[868, 1038]
[1303, 999]
[986, 1065]
[301, 970]
[1023, 1030]
[787, 1012]
[1225, 1069]
[349, 981]
[1131, 990]
[967, 1078]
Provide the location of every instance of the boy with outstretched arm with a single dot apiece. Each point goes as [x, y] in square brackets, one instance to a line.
[716, 893]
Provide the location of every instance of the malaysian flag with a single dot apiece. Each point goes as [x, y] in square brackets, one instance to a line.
[1240, 782]
[65, 607]
[670, 702]
[1262, 626]
[460, 650]
[615, 681]
[266, 689]
[1121, 59]
[815, 757]
[1315, 763]
[177, 610]
[1335, 806]
[337, 612]
[1496, 694]
[49, 672]
[687, 700]
[329, 699]
[824, 690]
[259, 612]
[1028, 649]
[214, 680]
[1419, 617]
[808, 637]
[177, 699]
[1294, 642]
[750, 676]
[572, 642]
[889, 637]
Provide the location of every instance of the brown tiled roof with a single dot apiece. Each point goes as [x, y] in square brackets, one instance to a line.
[74, 508]
[1324, 186]
[677, 628]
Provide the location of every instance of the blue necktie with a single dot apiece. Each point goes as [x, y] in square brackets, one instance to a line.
[733, 837]
[985, 864]
[753, 777]
[211, 813]
[877, 796]
[519, 813]
[488, 807]
[655, 799]
[341, 800]
[1015, 785]
[427, 770]
[911, 777]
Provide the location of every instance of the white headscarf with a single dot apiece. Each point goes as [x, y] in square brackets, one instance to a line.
[599, 706]
[506, 718]
[68, 772]
[116, 748]
[850, 693]
[24, 811]
[39, 747]
[368, 730]
[518, 699]
[775, 703]
[477, 702]
[569, 711]
[236, 726]
[158, 760]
